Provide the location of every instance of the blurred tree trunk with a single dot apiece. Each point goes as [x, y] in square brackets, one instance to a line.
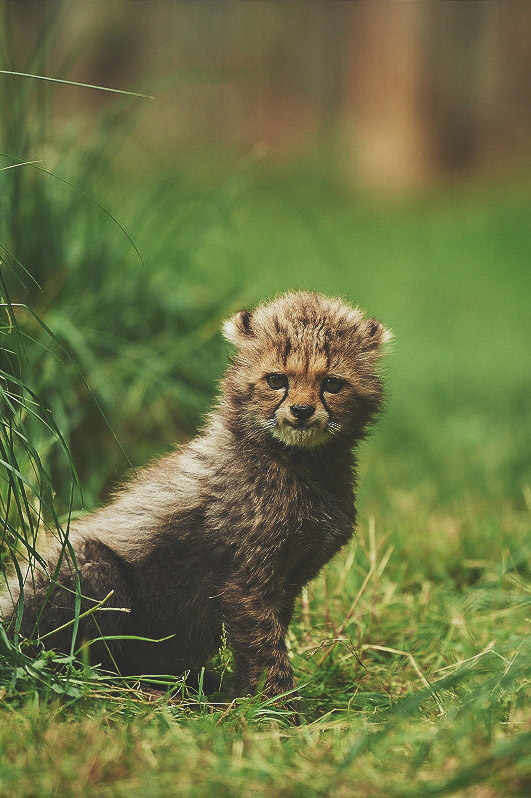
[435, 89]
[386, 132]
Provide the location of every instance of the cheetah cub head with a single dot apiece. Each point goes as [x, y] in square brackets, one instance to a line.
[305, 370]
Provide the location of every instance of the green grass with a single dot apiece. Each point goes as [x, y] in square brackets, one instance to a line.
[425, 690]
[411, 648]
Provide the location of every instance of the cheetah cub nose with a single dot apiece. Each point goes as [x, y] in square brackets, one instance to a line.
[302, 412]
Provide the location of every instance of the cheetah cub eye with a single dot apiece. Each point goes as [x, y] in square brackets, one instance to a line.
[332, 384]
[277, 381]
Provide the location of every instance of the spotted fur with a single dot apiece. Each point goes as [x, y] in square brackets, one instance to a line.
[228, 529]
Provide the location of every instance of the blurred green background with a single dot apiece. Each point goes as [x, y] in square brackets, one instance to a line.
[282, 149]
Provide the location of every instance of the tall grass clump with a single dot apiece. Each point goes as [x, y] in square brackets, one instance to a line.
[100, 345]
[134, 327]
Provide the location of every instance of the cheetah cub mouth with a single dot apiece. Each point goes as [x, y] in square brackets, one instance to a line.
[302, 433]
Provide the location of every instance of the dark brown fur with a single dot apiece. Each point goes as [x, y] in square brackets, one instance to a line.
[231, 527]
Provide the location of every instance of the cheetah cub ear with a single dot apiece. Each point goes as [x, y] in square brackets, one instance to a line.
[376, 334]
[238, 328]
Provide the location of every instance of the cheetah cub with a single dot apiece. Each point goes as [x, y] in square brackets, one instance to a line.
[228, 529]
